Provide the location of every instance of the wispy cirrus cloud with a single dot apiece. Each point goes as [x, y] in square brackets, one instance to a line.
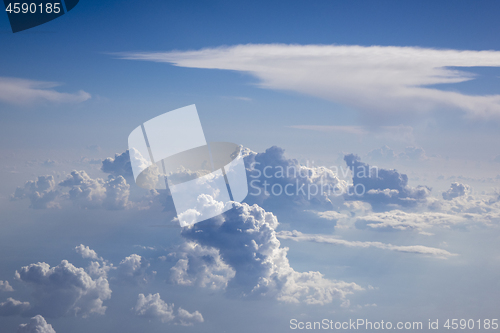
[381, 79]
[26, 92]
[317, 238]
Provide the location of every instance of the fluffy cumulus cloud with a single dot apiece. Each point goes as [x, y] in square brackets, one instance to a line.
[98, 267]
[417, 249]
[381, 79]
[111, 193]
[65, 289]
[5, 286]
[206, 205]
[27, 92]
[86, 192]
[456, 190]
[133, 269]
[153, 307]
[42, 192]
[276, 181]
[246, 239]
[185, 318]
[201, 266]
[13, 307]
[37, 324]
[119, 165]
[382, 188]
[86, 252]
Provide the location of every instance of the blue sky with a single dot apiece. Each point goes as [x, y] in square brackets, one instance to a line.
[406, 85]
[78, 57]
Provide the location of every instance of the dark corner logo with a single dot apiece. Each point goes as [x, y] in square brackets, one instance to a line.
[25, 15]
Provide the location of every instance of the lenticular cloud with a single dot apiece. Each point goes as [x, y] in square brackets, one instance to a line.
[388, 79]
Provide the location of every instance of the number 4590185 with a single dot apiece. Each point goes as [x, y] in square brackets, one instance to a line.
[33, 8]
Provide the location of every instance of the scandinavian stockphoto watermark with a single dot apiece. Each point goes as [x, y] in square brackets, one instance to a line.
[170, 152]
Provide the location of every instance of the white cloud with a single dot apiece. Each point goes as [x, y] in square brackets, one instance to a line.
[13, 307]
[276, 181]
[41, 192]
[206, 205]
[383, 188]
[86, 192]
[133, 268]
[462, 209]
[119, 165]
[418, 249]
[400, 220]
[5, 286]
[331, 215]
[65, 289]
[246, 239]
[187, 319]
[152, 306]
[142, 247]
[86, 252]
[200, 266]
[371, 78]
[456, 190]
[27, 92]
[96, 269]
[37, 324]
